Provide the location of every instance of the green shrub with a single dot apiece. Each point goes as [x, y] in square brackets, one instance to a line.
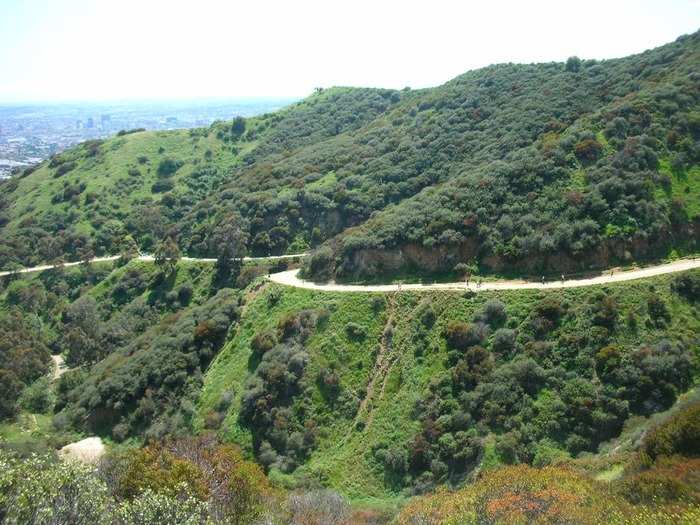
[38, 397]
[678, 435]
[167, 167]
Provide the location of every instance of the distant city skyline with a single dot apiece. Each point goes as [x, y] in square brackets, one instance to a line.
[88, 50]
[30, 132]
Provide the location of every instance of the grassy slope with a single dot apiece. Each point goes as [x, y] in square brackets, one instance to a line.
[109, 177]
[344, 455]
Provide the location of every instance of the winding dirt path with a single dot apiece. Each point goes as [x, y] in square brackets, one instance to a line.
[145, 257]
[291, 278]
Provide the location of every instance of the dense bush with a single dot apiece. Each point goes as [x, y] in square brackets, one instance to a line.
[678, 435]
[148, 393]
[272, 404]
[552, 388]
[24, 357]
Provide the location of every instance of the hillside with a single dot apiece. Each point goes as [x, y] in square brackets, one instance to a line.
[379, 396]
[518, 168]
[226, 392]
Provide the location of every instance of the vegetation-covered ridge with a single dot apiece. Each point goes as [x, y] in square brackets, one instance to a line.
[380, 394]
[507, 168]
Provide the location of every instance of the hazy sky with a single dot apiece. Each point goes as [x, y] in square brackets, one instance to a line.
[101, 49]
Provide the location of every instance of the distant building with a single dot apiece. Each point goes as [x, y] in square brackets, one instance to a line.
[78, 124]
[90, 123]
[171, 121]
[106, 121]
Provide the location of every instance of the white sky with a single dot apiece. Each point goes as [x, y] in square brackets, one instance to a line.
[102, 49]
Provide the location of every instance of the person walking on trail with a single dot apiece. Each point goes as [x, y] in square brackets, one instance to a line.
[562, 278]
[543, 280]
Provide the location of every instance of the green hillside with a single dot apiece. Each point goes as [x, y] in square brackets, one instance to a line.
[379, 396]
[524, 168]
[221, 395]
[498, 376]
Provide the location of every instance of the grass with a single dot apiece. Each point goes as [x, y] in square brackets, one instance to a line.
[612, 474]
[685, 186]
[107, 174]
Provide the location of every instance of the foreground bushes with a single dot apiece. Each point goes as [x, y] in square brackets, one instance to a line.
[521, 494]
[182, 482]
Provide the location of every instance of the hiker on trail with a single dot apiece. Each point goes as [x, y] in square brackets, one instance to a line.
[543, 280]
[562, 278]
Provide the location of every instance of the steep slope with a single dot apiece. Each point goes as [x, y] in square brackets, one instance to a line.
[381, 394]
[518, 167]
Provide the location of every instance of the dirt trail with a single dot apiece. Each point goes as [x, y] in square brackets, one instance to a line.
[59, 366]
[382, 366]
[146, 258]
[291, 278]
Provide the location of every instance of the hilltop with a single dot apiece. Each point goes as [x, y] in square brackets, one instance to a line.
[513, 168]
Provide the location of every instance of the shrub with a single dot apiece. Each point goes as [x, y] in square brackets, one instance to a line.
[64, 168]
[573, 64]
[162, 185]
[167, 167]
[461, 335]
[504, 340]
[355, 331]
[494, 312]
[263, 342]
[588, 150]
[678, 435]
[184, 293]
[329, 381]
[37, 397]
[427, 315]
[658, 311]
[319, 507]
[152, 507]
[688, 286]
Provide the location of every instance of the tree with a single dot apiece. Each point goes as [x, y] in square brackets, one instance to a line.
[128, 249]
[80, 334]
[166, 255]
[10, 389]
[466, 270]
[573, 64]
[238, 127]
[229, 242]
